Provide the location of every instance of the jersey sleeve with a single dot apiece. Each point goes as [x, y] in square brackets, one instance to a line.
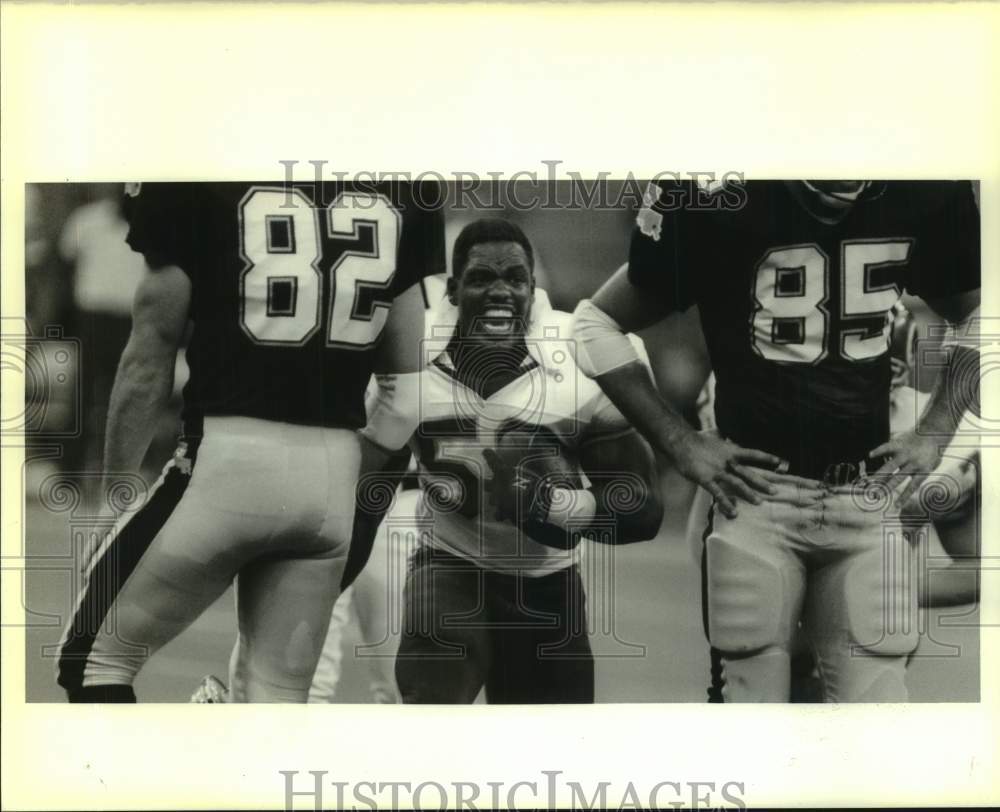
[662, 251]
[421, 244]
[946, 258]
[162, 223]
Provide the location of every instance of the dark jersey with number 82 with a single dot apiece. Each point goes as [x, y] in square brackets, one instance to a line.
[291, 286]
[796, 311]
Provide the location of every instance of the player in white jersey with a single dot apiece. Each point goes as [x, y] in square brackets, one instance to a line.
[520, 457]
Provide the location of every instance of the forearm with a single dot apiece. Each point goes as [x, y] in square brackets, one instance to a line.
[604, 353]
[632, 391]
[954, 585]
[634, 507]
[401, 344]
[623, 503]
[141, 390]
[607, 355]
[956, 391]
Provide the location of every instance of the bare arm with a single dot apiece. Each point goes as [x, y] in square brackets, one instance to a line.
[629, 387]
[957, 390]
[145, 376]
[915, 454]
[624, 492]
[402, 339]
[724, 469]
[620, 299]
[957, 582]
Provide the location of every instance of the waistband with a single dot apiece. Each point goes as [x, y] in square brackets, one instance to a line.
[426, 554]
[842, 472]
[258, 428]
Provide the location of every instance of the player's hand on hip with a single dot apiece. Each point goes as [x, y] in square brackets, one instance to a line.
[726, 470]
[908, 456]
[794, 490]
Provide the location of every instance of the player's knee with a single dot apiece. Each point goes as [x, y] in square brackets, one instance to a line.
[263, 687]
[761, 677]
[747, 600]
[282, 671]
[266, 680]
[870, 679]
[301, 654]
[881, 610]
[888, 685]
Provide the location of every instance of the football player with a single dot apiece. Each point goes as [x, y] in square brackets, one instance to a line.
[795, 282]
[519, 457]
[295, 294]
[952, 547]
[374, 600]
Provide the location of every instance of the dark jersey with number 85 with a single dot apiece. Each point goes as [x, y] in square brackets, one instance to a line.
[291, 286]
[795, 311]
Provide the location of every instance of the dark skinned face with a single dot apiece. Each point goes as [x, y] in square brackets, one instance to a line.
[493, 293]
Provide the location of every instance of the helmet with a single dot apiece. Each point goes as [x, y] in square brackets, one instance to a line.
[903, 346]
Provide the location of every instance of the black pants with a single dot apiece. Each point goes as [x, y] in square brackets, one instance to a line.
[464, 627]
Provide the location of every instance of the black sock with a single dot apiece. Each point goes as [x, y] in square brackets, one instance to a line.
[103, 694]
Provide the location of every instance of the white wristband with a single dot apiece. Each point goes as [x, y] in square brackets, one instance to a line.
[393, 409]
[571, 508]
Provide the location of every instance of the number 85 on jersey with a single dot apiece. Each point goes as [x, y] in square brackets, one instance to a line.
[791, 318]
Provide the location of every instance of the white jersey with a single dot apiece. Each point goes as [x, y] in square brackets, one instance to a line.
[449, 425]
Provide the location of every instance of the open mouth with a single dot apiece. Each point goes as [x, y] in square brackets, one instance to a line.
[497, 320]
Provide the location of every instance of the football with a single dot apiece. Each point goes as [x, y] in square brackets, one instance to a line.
[539, 453]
